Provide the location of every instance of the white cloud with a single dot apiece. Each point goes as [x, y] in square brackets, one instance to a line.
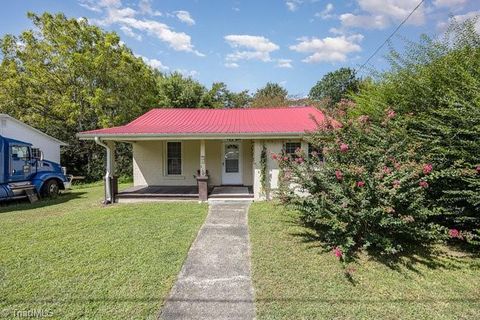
[145, 7]
[154, 63]
[325, 13]
[382, 13]
[365, 21]
[257, 43]
[129, 32]
[449, 3]
[231, 65]
[185, 17]
[129, 19]
[292, 5]
[462, 18]
[188, 73]
[284, 63]
[329, 49]
[250, 48]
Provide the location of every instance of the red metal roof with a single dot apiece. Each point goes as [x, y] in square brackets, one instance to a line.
[295, 120]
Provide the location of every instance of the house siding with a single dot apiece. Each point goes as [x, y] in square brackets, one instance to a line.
[149, 163]
[273, 170]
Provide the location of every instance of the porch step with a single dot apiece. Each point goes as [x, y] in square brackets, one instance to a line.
[156, 195]
[231, 192]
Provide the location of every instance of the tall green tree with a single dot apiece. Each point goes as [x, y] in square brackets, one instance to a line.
[335, 86]
[66, 76]
[434, 87]
[178, 91]
[271, 95]
[219, 96]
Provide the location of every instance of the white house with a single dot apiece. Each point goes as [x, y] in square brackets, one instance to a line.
[197, 152]
[15, 129]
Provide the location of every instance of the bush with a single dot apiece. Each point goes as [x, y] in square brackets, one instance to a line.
[438, 82]
[368, 193]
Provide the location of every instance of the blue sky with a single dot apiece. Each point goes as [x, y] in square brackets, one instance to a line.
[248, 43]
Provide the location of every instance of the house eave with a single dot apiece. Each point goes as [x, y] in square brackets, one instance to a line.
[190, 136]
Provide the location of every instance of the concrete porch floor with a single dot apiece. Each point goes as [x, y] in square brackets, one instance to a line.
[155, 193]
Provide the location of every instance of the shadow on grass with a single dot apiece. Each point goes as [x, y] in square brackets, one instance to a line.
[19, 205]
[413, 259]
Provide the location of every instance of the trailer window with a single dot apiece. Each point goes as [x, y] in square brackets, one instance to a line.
[20, 152]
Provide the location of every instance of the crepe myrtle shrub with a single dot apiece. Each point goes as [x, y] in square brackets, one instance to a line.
[366, 192]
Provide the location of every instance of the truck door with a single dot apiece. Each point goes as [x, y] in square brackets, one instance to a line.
[20, 167]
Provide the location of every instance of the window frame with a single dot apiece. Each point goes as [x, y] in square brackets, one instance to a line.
[293, 153]
[167, 158]
[27, 158]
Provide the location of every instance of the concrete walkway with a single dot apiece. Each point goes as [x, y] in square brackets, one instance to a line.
[215, 281]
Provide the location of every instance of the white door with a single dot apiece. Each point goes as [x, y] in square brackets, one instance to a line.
[232, 163]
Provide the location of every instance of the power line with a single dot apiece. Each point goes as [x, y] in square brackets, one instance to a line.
[390, 36]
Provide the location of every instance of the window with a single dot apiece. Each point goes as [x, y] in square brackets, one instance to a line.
[315, 151]
[291, 148]
[232, 157]
[20, 152]
[174, 158]
[36, 153]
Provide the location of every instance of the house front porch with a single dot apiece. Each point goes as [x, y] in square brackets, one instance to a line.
[162, 193]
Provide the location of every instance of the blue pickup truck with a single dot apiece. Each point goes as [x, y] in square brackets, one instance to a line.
[25, 174]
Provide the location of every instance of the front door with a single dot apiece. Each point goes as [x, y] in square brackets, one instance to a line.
[232, 163]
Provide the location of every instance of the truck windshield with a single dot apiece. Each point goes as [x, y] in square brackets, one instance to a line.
[20, 152]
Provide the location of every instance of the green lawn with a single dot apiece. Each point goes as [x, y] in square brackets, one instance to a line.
[78, 259]
[295, 279]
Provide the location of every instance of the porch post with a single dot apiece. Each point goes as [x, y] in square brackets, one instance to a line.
[202, 179]
[203, 166]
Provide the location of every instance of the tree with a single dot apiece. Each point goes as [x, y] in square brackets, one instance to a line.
[66, 76]
[366, 189]
[272, 95]
[434, 87]
[220, 97]
[177, 91]
[335, 86]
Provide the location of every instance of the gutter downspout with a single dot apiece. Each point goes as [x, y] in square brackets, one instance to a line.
[108, 174]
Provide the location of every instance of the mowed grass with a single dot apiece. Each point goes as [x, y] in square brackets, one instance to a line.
[75, 258]
[294, 278]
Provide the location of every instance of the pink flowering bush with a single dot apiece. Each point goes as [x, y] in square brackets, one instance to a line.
[368, 194]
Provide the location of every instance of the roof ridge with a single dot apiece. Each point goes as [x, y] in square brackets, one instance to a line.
[241, 108]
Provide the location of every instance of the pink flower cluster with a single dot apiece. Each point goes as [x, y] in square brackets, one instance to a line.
[363, 119]
[391, 114]
[360, 184]
[396, 183]
[454, 233]
[337, 252]
[339, 175]
[279, 157]
[427, 168]
[423, 184]
[343, 147]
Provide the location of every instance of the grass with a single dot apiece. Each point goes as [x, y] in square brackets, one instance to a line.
[294, 278]
[75, 258]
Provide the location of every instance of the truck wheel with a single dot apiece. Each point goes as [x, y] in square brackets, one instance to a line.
[50, 189]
